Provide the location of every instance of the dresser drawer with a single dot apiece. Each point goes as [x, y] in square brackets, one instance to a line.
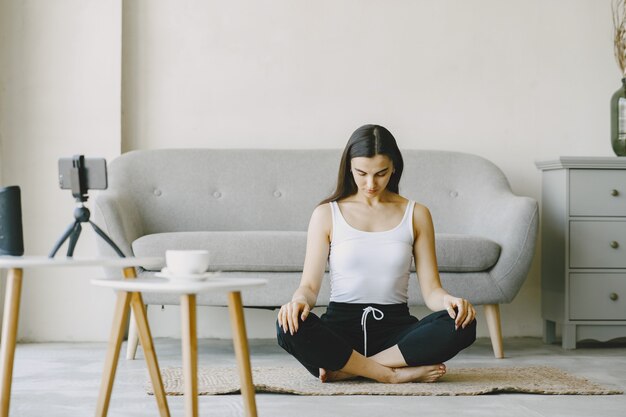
[592, 192]
[591, 244]
[597, 296]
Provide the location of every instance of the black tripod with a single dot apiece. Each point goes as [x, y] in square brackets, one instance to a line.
[81, 213]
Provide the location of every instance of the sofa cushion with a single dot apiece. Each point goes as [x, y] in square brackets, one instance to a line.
[277, 251]
[233, 251]
[465, 253]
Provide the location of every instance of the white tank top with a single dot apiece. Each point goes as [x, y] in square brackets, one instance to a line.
[370, 267]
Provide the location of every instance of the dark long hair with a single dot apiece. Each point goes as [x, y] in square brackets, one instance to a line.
[367, 141]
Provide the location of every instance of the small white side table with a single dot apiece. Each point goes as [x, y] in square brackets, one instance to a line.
[15, 266]
[188, 291]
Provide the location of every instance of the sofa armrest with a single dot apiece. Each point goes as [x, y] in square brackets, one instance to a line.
[512, 222]
[120, 219]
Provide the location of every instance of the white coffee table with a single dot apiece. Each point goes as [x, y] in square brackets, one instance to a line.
[15, 266]
[187, 291]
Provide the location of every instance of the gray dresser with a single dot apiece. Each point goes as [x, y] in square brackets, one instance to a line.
[583, 253]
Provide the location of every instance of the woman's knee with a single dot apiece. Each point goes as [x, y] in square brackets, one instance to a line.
[279, 331]
[469, 328]
[461, 337]
[304, 327]
[285, 339]
[468, 334]
[465, 335]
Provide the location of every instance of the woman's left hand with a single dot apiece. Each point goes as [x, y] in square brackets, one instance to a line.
[464, 314]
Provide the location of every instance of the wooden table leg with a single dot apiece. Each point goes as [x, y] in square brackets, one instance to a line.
[240, 340]
[122, 307]
[190, 353]
[150, 354]
[9, 336]
[145, 336]
[120, 316]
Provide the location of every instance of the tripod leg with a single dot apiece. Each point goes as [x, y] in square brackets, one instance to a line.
[62, 239]
[107, 239]
[73, 239]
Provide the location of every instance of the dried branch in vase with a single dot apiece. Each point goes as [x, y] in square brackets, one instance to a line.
[619, 24]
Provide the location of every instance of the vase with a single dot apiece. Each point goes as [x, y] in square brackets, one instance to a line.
[618, 120]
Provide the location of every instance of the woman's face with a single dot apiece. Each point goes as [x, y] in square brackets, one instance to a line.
[371, 175]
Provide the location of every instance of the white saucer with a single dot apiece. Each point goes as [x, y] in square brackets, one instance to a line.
[191, 277]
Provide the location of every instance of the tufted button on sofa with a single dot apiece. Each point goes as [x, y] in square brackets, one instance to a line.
[251, 208]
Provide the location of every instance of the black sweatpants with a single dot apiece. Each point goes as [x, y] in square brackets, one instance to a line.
[328, 342]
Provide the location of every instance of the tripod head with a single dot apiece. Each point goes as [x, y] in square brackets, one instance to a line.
[81, 174]
[78, 179]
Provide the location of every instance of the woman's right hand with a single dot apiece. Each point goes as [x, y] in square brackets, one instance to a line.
[289, 313]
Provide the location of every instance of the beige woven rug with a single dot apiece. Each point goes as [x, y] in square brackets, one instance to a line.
[458, 381]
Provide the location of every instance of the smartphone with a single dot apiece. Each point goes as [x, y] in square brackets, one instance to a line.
[95, 173]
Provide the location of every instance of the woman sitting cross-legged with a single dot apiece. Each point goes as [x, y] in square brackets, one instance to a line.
[369, 234]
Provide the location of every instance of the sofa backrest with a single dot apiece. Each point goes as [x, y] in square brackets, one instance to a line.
[252, 189]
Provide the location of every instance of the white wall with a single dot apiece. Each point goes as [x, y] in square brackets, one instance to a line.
[60, 69]
[511, 81]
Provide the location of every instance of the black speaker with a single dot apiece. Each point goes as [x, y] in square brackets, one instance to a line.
[11, 240]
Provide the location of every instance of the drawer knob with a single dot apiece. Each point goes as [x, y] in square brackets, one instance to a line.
[614, 245]
[614, 193]
[613, 296]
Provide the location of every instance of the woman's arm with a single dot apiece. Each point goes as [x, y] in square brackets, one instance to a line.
[435, 297]
[317, 249]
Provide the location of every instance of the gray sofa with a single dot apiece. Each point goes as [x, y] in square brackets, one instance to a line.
[250, 209]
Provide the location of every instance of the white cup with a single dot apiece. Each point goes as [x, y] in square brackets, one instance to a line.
[186, 262]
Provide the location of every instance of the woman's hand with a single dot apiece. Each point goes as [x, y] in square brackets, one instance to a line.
[288, 315]
[464, 314]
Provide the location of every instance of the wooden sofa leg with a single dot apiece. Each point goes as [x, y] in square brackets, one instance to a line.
[133, 338]
[492, 314]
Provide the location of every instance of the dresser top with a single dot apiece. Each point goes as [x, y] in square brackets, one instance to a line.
[588, 162]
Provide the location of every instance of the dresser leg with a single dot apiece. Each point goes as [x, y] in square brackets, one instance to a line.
[549, 332]
[569, 336]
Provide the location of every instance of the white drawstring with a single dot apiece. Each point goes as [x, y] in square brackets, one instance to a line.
[366, 312]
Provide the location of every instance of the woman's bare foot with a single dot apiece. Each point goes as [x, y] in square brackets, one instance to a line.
[330, 376]
[429, 373]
